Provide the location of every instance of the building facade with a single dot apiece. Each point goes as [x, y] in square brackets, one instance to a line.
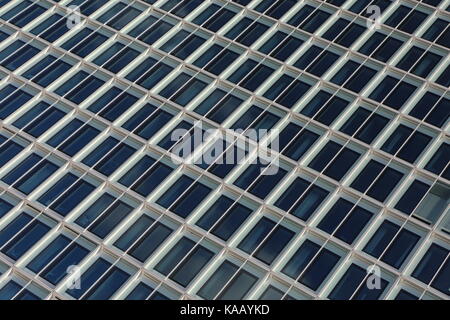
[100, 199]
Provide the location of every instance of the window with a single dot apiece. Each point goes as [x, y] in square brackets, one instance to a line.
[324, 107]
[272, 293]
[439, 162]
[184, 196]
[257, 119]
[275, 9]
[343, 32]
[392, 92]
[334, 160]
[181, 8]
[12, 99]
[145, 292]
[119, 15]
[8, 149]
[109, 156]
[427, 203]
[143, 238]
[113, 104]
[66, 194]
[214, 17]
[183, 44]
[30, 173]
[51, 28]
[219, 105]
[360, 7]
[405, 295]
[3, 36]
[281, 46]
[312, 263]
[419, 62]
[287, 91]
[183, 89]
[444, 78]
[147, 121]
[412, 197]
[377, 181]
[224, 217]
[406, 19]
[47, 70]
[21, 234]
[353, 286]
[84, 42]
[257, 183]
[316, 60]
[221, 158]
[295, 141]
[149, 73]
[17, 54]
[309, 18]
[73, 137]
[100, 281]
[104, 215]
[405, 144]
[364, 125]
[186, 143]
[345, 220]
[184, 261]
[146, 175]
[13, 290]
[439, 33]
[242, 2]
[23, 13]
[268, 239]
[79, 87]
[227, 283]
[53, 262]
[381, 47]
[39, 119]
[336, 2]
[392, 244]
[87, 8]
[116, 57]
[216, 59]
[301, 199]
[151, 29]
[5, 206]
[433, 109]
[434, 268]
[246, 31]
[251, 74]
[353, 76]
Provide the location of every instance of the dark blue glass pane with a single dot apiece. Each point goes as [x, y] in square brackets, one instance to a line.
[405, 295]
[90, 276]
[113, 104]
[12, 99]
[4, 207]
[23, 241]
[73, 137]
[224, 218]
[108, 285]
[398, 250]
[301, 259]
[256, 235]
[432, 268]
[440, 161]
[108, 156]
[412, 197]
[218, 280]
